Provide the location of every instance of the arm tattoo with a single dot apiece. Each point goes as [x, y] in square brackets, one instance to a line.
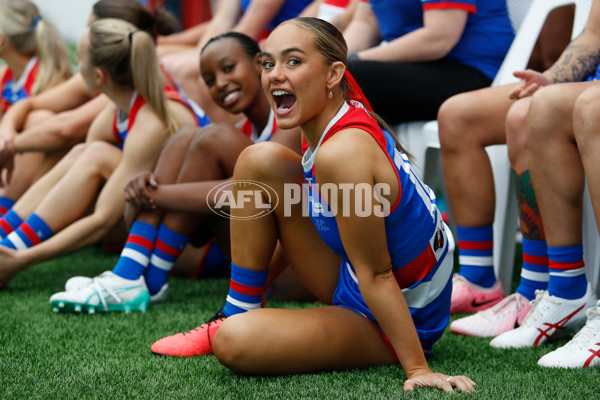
[576, 63]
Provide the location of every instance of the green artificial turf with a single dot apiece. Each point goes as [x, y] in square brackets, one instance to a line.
[49, 356]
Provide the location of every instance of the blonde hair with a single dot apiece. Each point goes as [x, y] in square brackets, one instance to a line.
[120, 48]
[33, 36]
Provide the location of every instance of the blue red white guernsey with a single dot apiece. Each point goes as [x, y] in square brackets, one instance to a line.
[13, 91]
[267, 133]
[122, 122]
[420, 245]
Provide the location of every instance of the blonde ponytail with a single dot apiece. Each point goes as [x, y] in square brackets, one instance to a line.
[120, 48]
[147, 79]
[31, 35]
[52, 54]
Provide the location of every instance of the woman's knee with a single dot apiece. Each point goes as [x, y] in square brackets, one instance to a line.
[211, 138]
[447, 114]
[454, 117]
[586, 113]
[182, 138]
[231, 344]
[100, 157]
[76, 151]
[268, 160]
[548, 107]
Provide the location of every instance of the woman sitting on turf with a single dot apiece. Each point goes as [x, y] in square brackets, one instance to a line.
[36, 61]
[124, 140]
[173, 203]
[375, 246]
[39, 130]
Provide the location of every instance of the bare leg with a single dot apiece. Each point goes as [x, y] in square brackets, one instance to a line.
[254, 240]
[468, 123]
[26, 164]
[206, 155]
[534, 269]
[271, 341]
[274, 341]
[585, 123]
[36, 193]
[555, 163]
[168, 168]
[74, 194]
[210, 158]
[71, 189]
[516, 138]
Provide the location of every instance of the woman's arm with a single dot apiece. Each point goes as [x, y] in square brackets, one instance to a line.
[65, 96]
[61, 130]
[363, 30]
[364, 238]
[259, 14]
[582, 55]
[342, 20]
[224, 19]
[578, 61]
[192, 197]
[187, 37]
[441, 31]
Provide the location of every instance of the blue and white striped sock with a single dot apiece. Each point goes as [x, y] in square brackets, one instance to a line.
[567, 272]
[135, 256]
[31, 232]
[8, 223]
[245, 290]
[169, 245]
[534, 272]
[6, 204]
[476, 251]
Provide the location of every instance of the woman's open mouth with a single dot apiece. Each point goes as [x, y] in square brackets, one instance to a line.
[284, 101]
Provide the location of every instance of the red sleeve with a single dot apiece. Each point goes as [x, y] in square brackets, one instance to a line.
[445, 5]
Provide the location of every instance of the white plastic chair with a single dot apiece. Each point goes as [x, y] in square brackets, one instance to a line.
[422, 141]
[591, 242]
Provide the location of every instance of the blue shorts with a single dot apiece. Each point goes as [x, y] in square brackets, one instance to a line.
[430, 316]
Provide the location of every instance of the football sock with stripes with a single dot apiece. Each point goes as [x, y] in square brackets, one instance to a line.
[245, 290]
[567, 273]
[534, 273]
[31, 232]
[6, 204]
[169, 245]
[135, 256]
[476, 247]
[9, 222]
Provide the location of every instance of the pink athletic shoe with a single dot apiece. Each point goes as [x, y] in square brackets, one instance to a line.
[470, 298]
[506, 315]
[196, 342]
